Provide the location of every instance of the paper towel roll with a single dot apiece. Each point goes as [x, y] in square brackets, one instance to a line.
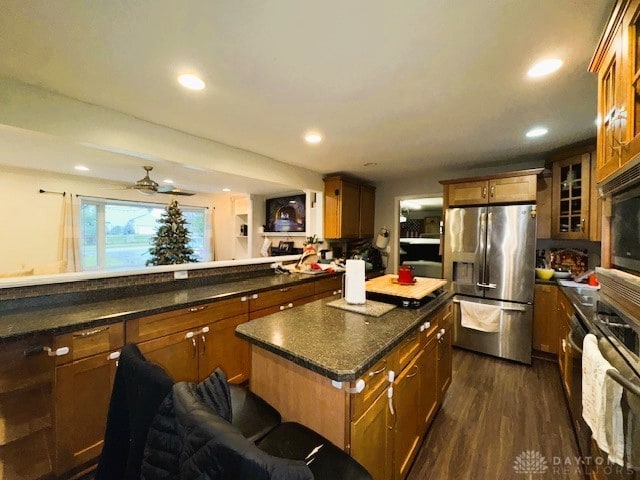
[354, 289]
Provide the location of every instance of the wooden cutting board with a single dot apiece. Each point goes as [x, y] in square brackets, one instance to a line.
[387, 284]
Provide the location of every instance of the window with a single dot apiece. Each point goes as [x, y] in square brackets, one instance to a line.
[117, 234]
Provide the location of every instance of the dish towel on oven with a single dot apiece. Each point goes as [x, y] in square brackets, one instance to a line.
[478, 316]
[601, 397]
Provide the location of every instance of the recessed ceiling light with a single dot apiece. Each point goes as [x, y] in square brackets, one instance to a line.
[81, 168]
[168, 180]
[313, 137]
[190, 81]
[536, 132]
[226, 189]
[545, 67]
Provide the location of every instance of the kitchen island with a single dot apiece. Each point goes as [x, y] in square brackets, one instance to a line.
[371, 385]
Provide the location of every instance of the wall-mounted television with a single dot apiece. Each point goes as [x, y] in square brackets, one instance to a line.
[286, 214]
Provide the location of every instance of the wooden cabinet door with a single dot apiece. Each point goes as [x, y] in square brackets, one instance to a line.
[367, 211]
[350, 210]
[630, 87]
[571, 192]
[332, 207]
[371, 439]
[176, 353]
[341, 208]
[468, 193]
[609, 112]
[444, 363]
[595, 204]
[544, 202]
[513, 189]
[545, 321]
[429, 383]
[220, 347]
[408, 426]
[26, 410]
[82, 394]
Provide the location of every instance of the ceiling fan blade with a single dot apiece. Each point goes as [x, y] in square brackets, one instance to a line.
[169, 190]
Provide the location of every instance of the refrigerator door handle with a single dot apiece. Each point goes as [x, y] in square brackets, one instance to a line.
[487, 285]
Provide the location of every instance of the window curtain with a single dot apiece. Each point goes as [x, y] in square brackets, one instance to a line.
[69, 242]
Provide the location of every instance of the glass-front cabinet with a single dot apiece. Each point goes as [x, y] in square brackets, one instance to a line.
[571, 190]
[631, 39]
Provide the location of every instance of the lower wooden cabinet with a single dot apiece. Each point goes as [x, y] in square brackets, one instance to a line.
[545, 319]
[408, 428]
[445, 364]
[371, 437]
[26, 410]
[221, 348]
[429, 383]
[176, 353]
[423, 369]
[82, 394]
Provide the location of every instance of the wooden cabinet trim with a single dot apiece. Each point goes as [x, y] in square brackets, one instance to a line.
[280, 296]
[160, 324]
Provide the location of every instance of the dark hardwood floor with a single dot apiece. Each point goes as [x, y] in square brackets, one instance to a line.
[495, 410]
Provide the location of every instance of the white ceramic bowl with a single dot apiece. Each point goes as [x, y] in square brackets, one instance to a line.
[557, 274]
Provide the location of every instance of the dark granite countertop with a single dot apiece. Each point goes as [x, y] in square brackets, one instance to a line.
[41, 319]
[335, 343]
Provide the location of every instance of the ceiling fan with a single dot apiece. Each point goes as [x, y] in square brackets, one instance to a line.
[146, 186]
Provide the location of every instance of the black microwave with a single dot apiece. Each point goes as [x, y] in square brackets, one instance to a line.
[625, 234]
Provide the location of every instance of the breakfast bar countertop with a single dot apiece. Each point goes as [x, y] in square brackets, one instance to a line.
[37, 318]
[337, 344]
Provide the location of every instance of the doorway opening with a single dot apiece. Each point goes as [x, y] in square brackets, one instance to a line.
[419, 241]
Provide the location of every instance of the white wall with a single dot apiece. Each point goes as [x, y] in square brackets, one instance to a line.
[30, 231]
[388, 194]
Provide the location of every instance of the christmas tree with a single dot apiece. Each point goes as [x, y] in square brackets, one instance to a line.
[171, 243]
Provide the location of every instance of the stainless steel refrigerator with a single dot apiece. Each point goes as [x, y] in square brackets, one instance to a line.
[489, 256]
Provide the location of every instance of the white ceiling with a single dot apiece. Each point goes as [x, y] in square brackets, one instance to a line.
[414, 86]
[31, 150]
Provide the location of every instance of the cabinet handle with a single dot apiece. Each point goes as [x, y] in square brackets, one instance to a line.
[484, 192]
[90, 332]
[380, 370]
[413, 374]
[582, 223]
[195, 346]
[282, 307]
[290, 305]
[254, 296]
[243, 299]
[204, 344]
[285, 289]
[113, 355]
[493, 190]
[197, 309]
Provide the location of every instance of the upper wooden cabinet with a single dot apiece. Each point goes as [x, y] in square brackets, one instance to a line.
[617, 63]
[570, 207]
[349, 208]
[515, 187]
